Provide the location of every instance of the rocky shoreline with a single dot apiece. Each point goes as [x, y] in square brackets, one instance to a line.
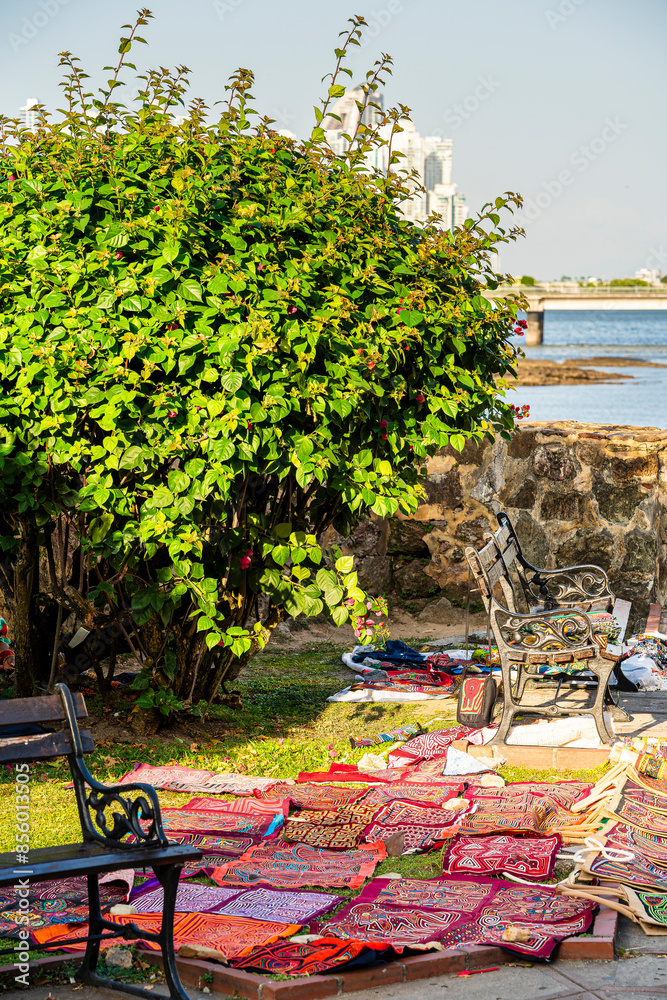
[574, 371]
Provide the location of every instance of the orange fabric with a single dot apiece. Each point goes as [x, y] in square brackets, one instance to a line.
[231, 937]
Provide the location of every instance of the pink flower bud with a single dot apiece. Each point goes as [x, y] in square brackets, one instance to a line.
[419, 397]
[383, 423]
[245, 562]
[172, 413]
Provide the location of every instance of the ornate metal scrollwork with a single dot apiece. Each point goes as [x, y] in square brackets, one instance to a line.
[140, 816]
[136, 813]
[578, 583]
[544, 633]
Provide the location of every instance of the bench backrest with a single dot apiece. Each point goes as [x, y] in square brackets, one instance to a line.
[46, 710]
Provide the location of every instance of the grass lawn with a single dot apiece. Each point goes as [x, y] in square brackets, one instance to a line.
[285, 726]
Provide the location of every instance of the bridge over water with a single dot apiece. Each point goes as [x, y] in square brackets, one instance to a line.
[543, 297]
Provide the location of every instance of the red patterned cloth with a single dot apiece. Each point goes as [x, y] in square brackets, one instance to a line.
[428, 746]
[296, 958]
[526, 857]
[305, 796]
[422, 827]
[406, 912]
[297, 865]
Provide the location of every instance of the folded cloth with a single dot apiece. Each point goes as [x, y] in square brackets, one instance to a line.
[525, 857]
[297, 865]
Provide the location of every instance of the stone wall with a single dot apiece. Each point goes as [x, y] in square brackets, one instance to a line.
[577, 493]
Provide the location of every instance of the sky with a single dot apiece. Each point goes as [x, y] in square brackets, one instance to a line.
[562, 101]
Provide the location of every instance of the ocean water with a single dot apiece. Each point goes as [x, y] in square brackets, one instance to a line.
[632, 334]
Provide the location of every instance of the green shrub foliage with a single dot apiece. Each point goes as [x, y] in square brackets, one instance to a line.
[217, 342]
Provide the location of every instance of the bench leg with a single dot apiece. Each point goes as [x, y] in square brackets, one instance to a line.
[168, 877]
[87, 971]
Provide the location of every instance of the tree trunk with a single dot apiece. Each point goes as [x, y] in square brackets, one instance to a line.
[26, 573]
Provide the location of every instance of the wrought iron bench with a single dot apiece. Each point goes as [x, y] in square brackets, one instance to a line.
[134, 810]
[553, 630]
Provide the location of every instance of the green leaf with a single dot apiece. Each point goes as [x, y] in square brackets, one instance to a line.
[232, 381]
[457, 441]
[190, 289]
[335, 90]
[162, 497]
[345, 564]
[280, 554]
[340, 615]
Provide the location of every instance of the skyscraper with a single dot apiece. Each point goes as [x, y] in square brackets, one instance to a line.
[430, 156]
[29, 112]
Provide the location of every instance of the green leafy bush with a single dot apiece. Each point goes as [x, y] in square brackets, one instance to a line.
[216, 343]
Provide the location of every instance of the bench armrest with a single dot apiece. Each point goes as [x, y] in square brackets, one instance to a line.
[550, 627]
[572, 584]
[94, 803]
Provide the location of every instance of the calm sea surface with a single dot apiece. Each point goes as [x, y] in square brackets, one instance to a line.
[633, 334]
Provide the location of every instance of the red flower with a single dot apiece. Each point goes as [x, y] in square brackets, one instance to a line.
[11, 177]
[156, 208]
[248, 552]
[383, 423]
[118, 255]
[360, 350]
[384, 437]
[172, 413]
[419, 397]
[245, 562]
[291, 310]
[248, 423]
[371, 364]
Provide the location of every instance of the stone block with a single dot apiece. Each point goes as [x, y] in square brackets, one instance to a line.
[534, 542]
[411, 580]
[617, 504]
[374, 574]
[585, 546]
[523, 497]
[439, 612]
[640, 553]
[406, 538]
[444, 490]
[569, 506]
[555, 462]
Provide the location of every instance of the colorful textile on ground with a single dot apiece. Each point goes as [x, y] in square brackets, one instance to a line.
[300, 959]
[646, 870]
[422, 793]
[297, 865]
[384, 926]
[249, 806]
[208, 821]
[402, 733]
[461, 896]
[114, 887]
[406, 912]
[340, 772]
[230, 937]
[422, 827]
[305, 796]
[177, 778]
[335, 837]
[362, 811]
[427, 746]
[189, 899]
[49, 913]
[262, 903]
[526, 857]
[500, 813]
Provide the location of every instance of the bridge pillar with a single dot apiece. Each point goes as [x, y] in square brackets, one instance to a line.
[535, 329]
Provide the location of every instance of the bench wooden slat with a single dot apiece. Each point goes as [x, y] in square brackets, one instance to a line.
[48, 708]
[488, 555]
[81, 859]
[502, 536]
[17, 748]
[496, 571]
[510, 553]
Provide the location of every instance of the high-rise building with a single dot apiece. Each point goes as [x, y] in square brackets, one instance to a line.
[430, 156]
[29, 112]
[652, 275]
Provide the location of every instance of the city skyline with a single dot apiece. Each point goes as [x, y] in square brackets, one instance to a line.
[555, 99]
